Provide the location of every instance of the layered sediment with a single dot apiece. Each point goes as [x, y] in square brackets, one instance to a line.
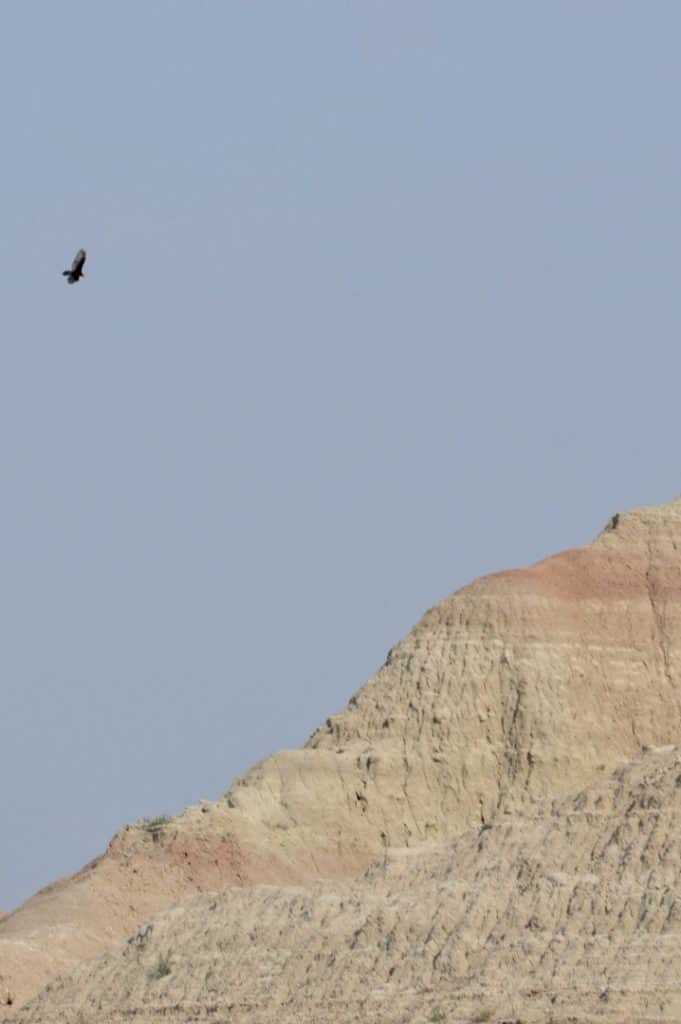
[524, 687]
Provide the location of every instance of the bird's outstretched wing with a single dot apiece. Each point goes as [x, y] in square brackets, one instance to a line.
[77, 265]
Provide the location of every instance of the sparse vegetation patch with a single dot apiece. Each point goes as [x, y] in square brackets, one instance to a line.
[154, 824]
[163, 967]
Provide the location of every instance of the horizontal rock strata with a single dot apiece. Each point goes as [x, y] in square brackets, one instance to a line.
[569, 913]
[524, 685]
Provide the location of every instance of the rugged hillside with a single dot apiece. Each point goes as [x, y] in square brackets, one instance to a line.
[523, 685]
[570, 912]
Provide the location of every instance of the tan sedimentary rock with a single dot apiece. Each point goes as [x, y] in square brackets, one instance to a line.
[570, 911]
[523, 685]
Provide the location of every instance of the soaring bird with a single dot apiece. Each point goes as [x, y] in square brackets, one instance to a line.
[76, 271]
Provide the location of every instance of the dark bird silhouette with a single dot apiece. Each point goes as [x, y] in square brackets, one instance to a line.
[76, 271]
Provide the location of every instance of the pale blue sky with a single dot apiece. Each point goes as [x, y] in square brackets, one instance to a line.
[380, 296]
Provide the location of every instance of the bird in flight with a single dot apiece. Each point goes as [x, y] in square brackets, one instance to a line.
[76, 271]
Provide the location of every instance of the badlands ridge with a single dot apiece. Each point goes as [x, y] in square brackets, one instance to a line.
[491, 829]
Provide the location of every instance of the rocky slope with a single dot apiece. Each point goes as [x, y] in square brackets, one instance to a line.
[524, 685]
[570, 911]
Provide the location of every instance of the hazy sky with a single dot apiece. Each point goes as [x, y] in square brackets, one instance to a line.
[380, 296]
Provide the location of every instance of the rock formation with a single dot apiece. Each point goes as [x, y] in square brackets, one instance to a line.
[519, 690]
[568, 911]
